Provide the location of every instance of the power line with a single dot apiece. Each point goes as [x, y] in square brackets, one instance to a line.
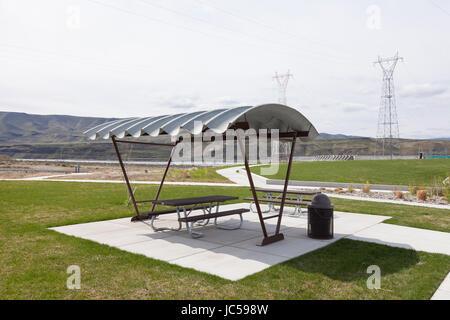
[227, 28]
[439, 7]
[254, 21]
[39, 53]
[296, 53]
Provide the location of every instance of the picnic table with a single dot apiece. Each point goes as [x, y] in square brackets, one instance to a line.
[204, 203]
[272, 197]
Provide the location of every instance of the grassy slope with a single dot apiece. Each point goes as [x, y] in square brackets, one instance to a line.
[395, 172]
[200, 174]
[35, 259]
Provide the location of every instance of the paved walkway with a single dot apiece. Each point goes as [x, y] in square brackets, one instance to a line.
[443, 292]
[239, 176]
[408, 203]
[406, 237]
[319, 184]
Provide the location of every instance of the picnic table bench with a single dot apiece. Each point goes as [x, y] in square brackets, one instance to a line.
[297, 199]
[187, 205]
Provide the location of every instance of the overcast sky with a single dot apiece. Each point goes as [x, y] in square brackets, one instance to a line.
[123, 58]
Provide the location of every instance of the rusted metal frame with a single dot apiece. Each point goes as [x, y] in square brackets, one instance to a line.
[270, 217]
[252, 186]
[124, 171]
[164, 177]
[286, 182]
[133, 199]
[148, 143]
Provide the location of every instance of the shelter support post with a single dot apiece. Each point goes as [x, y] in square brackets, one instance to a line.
[127, 181]
[277, 236]
[252, 186]
[163, 178]
[286, 182]
[133, 199]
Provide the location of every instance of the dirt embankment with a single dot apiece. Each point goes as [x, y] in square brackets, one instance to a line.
[10, 169]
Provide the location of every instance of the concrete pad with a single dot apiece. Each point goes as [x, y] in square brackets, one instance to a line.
[169, 248]
[125, 237]
[445, 285]
[350, 223]
[289, 248]
[89, 228]
[231, 254]
[229, 262]
[224, 237]
[406, 237]
[443, 292]
[441, 295]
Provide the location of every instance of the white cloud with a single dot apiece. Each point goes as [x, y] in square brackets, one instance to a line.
[158, 62]
[423, 90]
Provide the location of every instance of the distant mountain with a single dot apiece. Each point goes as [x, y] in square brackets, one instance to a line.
[24, 128]
[329, 136]
[447, 139]
[25, 135]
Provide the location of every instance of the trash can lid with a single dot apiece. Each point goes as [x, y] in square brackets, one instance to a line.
[321, 201]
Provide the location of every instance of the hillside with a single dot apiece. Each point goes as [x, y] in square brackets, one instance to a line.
[33, 136]
[23, 128]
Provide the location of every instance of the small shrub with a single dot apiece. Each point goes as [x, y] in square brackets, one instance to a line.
[350, 189]
[422, 195]
[399, 194]
[446, 182]
[447, 193]
[437, 186]
[366, 188]
[446, 188]
[413, 190]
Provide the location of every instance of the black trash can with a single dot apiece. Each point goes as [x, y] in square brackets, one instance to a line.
[320, 217]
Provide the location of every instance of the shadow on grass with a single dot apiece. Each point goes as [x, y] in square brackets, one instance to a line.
[347, 260]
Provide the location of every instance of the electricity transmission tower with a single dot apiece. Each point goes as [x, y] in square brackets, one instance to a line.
[282, 80]
[387, 131]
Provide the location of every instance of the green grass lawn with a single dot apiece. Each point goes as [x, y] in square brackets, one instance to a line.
[394, 172]
[34, 259]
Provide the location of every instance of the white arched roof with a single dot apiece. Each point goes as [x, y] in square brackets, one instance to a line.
[267, 116]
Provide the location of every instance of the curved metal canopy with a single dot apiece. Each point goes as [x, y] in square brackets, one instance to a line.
[267, 116]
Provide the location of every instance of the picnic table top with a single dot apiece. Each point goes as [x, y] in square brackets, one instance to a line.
[195, 200]
[290, 191]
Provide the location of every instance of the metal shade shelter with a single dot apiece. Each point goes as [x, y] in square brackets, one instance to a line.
[290, 123]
